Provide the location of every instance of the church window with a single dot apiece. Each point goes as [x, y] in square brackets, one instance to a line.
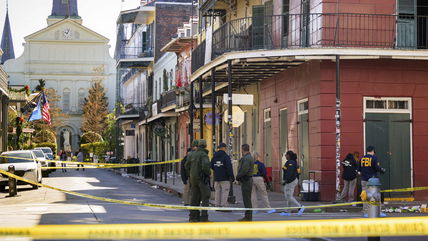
[81, 99]
[66, 100]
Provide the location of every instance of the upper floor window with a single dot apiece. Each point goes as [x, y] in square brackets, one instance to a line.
[81, 99]
[66, 100]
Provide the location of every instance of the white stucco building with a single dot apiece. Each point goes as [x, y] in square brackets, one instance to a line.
[69, 57]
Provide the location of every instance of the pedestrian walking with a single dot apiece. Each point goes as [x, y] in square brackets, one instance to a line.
[259, 187]
[349, 176]
[223, 175]
[369, 167]
[185, 178]
[245, 177]
[80, 157]
[63, 157]
[290, 176]
[198, 168]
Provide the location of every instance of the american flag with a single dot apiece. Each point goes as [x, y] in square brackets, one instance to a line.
[45, 110]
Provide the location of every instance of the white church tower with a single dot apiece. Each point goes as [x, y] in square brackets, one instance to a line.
[69, 57]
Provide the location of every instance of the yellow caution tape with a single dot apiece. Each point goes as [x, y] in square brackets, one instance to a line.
[167, 206]
[334, 228]
[111, 165]
[107, 165]
[410, 189]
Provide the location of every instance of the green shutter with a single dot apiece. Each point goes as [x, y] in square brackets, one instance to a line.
[258, 26]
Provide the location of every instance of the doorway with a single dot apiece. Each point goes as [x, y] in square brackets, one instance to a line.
[303, 138]
[388, 128]
[267, 143]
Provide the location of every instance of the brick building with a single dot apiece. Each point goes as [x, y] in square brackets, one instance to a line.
[312, 60]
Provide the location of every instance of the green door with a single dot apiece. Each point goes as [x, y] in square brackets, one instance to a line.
[303, 154]
[267, 144]
[390, 134]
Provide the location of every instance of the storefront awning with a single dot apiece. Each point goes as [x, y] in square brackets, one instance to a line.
[161, 115]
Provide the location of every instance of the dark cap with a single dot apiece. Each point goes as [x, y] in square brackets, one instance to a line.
[371, 148]
[221, 145]
[195, 143]
[202, 143]
[189, 149]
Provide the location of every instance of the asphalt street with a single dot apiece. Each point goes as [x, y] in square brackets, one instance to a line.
[45, 206]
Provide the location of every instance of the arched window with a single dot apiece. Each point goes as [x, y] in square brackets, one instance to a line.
[81, 99]
[66, 100]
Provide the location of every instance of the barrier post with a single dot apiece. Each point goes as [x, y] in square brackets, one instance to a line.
[374, 197]
[12, 182]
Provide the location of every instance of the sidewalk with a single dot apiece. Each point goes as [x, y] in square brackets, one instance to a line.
[175, 185]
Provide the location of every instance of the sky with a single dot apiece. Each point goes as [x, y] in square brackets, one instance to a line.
[29, 16]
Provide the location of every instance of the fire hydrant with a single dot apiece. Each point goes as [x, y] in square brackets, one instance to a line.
[373, 196]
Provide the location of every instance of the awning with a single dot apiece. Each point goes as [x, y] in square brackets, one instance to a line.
[177, 45]
[161, 115]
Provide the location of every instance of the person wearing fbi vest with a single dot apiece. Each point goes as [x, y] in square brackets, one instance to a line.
[223, 175]
[369, 167]
[290, 176]
[259, 187]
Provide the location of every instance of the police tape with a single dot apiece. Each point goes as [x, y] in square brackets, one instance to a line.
[168, 206]
[116, 164]
[332, 228]
[410, 189]
[104, 165]
[109, 165]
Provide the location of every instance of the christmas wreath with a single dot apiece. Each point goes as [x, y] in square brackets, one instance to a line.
[25, 89]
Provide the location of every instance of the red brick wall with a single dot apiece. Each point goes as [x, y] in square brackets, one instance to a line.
[168, 18]
[316, 81]
[379, 78]
[283, 91]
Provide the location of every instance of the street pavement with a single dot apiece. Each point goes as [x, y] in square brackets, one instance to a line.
[45, 206]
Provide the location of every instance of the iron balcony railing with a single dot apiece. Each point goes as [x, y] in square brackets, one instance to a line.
[135, 53]
[168, 98]
[316, 30]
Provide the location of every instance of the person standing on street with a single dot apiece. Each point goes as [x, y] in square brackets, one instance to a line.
[369, 167]
[259, 187]
[185, 178]
[350, 169]
[198, 168]
[290, 178]
[245, 177]
[63, 157]
[80, 159]
[223, 175]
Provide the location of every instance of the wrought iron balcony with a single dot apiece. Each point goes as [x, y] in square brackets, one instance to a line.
[316, 30]
[168, 99]
[135, 53]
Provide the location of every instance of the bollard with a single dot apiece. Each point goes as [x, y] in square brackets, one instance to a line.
[374, 195]
[12, 182]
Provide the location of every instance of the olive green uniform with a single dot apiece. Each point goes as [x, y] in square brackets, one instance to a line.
[198, 168]
[244, 176]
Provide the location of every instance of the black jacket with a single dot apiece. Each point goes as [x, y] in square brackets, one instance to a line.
[289, 171]
[222, 167]
[184, 176]
[350, 168]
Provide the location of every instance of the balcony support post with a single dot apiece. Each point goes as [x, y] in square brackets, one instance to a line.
[201, 109]
[231, 198]
[229, 107]
[337, 117]
[213, 103]
[191, 108]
